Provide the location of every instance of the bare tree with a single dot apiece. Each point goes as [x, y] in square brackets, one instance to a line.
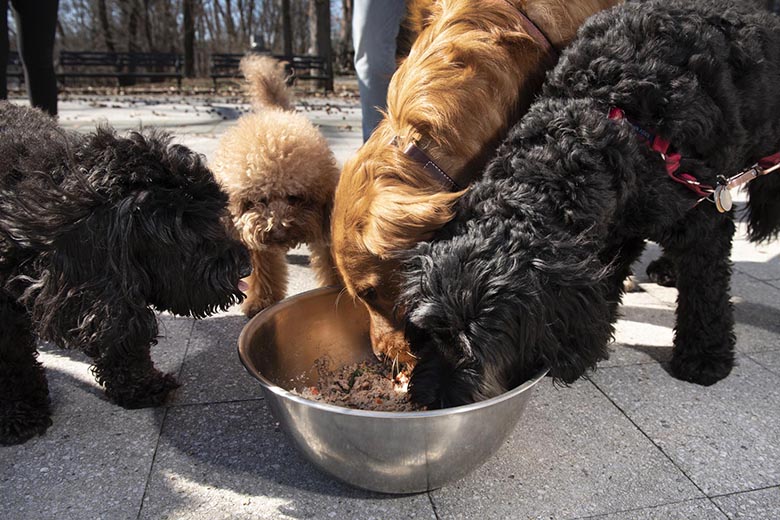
[287, 28]
[345, 52]
[108, 38]
[189, 38]
[320, 36]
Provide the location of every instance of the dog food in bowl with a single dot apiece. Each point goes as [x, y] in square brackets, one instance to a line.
[368, 385]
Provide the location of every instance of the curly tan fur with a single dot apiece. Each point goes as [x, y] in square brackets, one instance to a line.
[280, 176]
[265, 82]
[472, 71]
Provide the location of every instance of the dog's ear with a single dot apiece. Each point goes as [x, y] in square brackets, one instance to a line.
[576, 326]
[89, 282]
[400, 217]
[417, 17]
[327, 213]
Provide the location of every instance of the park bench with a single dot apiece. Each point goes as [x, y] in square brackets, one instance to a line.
[299, 67]
[124, 66]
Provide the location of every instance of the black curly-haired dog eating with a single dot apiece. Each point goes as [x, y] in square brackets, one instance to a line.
[96, 231]
[651, 103]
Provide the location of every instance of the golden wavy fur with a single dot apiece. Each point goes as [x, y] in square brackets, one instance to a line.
[471, 72]
[280, 176]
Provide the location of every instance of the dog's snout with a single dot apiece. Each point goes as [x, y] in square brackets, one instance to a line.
[244, 263]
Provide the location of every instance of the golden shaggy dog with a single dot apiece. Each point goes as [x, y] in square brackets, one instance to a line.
[280, 176]
[472, 71]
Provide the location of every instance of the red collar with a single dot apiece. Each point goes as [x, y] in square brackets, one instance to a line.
[672, 160]
[719, 194]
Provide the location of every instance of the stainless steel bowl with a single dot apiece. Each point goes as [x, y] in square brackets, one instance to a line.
[390, 452]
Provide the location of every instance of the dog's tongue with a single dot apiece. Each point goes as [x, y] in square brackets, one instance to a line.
[243, 286]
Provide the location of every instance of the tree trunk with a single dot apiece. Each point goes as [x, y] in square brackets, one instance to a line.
[250, 24]
[148, 26]
[320, 37]
[189, 38]
[346, 50]
[131, 17]
[230, 27]
[287, 28]
[108, 38]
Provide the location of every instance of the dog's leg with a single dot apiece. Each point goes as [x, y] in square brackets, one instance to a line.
[268, 281]
[130, 378]
[621, 258]
[322, 264]
[704, 339]
[24, 393]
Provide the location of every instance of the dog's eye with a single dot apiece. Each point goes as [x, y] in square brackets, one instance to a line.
[292, 200]
[368, 294]
[245, 206]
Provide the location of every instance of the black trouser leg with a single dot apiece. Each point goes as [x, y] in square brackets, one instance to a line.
[36, 24]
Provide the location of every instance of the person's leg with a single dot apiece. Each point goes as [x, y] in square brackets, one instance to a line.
[375, 25]
[3, 48]
[36, 23]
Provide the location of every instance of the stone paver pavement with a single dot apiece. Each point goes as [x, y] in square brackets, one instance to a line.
[628, 442]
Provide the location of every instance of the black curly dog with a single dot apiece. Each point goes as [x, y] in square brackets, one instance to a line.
[96, 231]
[530, 272]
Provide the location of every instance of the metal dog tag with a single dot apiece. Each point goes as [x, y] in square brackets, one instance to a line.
[722, 198]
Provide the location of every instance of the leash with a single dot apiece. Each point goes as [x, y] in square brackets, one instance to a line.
[416, 149]
[720, 194]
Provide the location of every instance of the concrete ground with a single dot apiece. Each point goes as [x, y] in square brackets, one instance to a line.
[629, 442]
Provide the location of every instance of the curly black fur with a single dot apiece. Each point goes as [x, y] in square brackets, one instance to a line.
[96, 232]
[530, 272]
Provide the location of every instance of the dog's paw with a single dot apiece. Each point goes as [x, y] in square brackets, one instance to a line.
[20, 422]
[702, 370]
[661, 271]
[631, 285]
[144, 393]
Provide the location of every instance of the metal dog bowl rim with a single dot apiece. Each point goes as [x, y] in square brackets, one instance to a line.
[253, 324]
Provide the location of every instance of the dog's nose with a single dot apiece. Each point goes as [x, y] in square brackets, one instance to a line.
[246, 270]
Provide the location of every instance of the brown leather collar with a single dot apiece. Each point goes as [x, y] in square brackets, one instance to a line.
[417, 154]
[416, 151]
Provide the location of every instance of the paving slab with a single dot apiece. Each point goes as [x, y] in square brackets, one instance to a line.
[72, 387]
[769, 360]
[572, 455]
[756, 312]
[761, 261]
[644, 333]
[89, 465]
[231, 460]
[211, 370]
[763, 504]
[702, 509]
[726, 437]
